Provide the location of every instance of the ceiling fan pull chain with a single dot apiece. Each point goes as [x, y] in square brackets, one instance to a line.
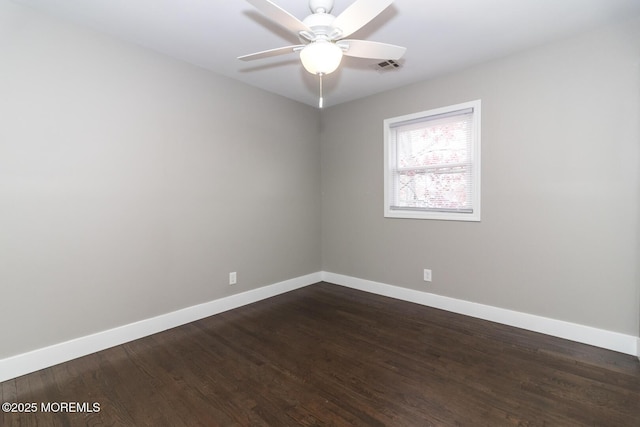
[320, 101]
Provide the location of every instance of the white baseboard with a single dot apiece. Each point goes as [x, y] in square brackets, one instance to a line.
[35, 360]
[615, 341]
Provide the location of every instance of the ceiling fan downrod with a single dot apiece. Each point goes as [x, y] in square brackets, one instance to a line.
[321, 6]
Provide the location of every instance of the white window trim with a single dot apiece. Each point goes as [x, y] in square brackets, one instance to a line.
[475, 155]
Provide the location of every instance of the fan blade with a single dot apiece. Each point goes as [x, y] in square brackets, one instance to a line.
[374, 50]
[271, 52]
[359, 14]
[279, 16]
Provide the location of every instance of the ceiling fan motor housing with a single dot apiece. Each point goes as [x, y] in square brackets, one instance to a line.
[322, 26]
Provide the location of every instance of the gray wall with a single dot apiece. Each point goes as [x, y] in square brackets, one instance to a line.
[560, 189]
[132, 184]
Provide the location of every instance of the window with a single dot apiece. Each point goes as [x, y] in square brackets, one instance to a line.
[432, 164]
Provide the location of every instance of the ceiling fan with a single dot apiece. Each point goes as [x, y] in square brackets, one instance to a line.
[323, 35]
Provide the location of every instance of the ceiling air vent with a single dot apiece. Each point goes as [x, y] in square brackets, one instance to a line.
[388, 65]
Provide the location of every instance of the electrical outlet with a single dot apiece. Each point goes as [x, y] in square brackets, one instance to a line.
[233, 278]
[427, 275]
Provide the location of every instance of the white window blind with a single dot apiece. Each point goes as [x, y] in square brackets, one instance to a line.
[431, 163]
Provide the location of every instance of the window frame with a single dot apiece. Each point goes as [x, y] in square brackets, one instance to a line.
[389, 155]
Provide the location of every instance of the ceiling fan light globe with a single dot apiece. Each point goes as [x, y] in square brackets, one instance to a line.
[321, 57]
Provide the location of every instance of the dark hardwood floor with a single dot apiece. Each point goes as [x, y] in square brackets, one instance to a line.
[329, 355]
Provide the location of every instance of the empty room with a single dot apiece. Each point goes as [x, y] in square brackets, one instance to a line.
[294, 212]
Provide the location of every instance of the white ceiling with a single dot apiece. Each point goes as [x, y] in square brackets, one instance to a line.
[441, 36]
